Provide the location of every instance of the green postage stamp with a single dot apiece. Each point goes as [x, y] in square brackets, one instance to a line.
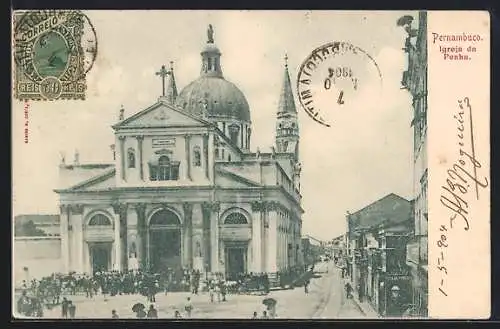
[53, 51]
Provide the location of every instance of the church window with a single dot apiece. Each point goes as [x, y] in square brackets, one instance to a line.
[99, 220]
[233, 133]
[209, 64]
[229, 158]
[197, 156]
[217, 153]
[222, 156]
[236, 218]
[285, 145]
[164, 169]
[131, 158]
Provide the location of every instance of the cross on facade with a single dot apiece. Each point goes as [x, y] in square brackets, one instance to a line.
[163, 74]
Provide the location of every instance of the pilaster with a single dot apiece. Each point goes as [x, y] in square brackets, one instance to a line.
[187, 234]
[212, 211]
[140, 139]
[65, 241]
[258, 209]
[205, 155]
[77, 227]
[120, 209]
[197, 238]
[187, 143]
[140, 209]
[272, 237]
[122, 156]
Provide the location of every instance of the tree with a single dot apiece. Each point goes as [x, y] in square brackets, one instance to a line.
[27, 228]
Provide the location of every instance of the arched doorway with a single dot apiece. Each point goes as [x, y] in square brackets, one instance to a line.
[164, 241]
[99, 236]
[235, 246]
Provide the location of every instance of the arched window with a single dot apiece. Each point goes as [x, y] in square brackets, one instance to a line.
[164, 217]
[131, 158]
[229, 158]
[99, 220]
[236, 218]
[196, 156]
[164, 169]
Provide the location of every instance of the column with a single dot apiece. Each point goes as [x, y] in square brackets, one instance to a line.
[140, 209]
[214, 237]
[205, 154]
[187, 143]
[120, 209]
[78, 241]
[197, 237]
[257, 222]
[140, 139]
[187, 234]
[64, 225]
[122, 156]
[272, 238]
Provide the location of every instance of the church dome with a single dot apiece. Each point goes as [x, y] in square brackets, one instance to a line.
[215, 98]
[211, 95]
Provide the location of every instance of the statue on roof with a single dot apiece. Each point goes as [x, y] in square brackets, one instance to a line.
[210, 34]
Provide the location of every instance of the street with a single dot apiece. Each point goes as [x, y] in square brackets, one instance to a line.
[325, 300]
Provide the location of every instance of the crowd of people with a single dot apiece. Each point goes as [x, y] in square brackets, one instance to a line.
[49, 291]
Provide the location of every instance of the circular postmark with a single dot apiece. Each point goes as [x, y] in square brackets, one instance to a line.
[54, 45]
[334, 75]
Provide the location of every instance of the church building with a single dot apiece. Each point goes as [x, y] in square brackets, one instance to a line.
[185, 189]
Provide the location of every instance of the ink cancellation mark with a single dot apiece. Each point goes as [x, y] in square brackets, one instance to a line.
[331, 77]
[53, 51]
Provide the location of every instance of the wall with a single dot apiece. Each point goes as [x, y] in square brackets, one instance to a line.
[41, 255]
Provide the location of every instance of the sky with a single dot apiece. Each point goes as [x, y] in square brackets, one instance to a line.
[364, 155]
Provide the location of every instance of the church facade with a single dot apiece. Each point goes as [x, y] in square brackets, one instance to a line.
[185, 189]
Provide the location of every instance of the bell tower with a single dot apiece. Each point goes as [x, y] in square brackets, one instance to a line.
[287, 127]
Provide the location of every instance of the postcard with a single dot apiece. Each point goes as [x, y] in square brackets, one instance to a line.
[250, 164]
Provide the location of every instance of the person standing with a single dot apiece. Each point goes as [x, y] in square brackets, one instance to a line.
[177, 315]
[71, 309]
[255, 316]
[188, 308]
[211, 290]
[64, 308]
[264, 315]
[114, 315]
[306, 287]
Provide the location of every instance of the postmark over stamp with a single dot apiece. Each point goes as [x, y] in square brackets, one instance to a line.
[331, 76]
[53, 51]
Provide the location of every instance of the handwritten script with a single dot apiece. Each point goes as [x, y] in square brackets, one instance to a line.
[462, 178]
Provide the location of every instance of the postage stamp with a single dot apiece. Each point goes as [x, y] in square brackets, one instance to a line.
[53, 51]
[251, 165]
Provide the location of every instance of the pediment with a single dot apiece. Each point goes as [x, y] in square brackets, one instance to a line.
[161, 114]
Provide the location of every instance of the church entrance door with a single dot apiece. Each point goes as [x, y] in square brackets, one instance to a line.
[164, 241]
[100, 255]
[235, 261]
